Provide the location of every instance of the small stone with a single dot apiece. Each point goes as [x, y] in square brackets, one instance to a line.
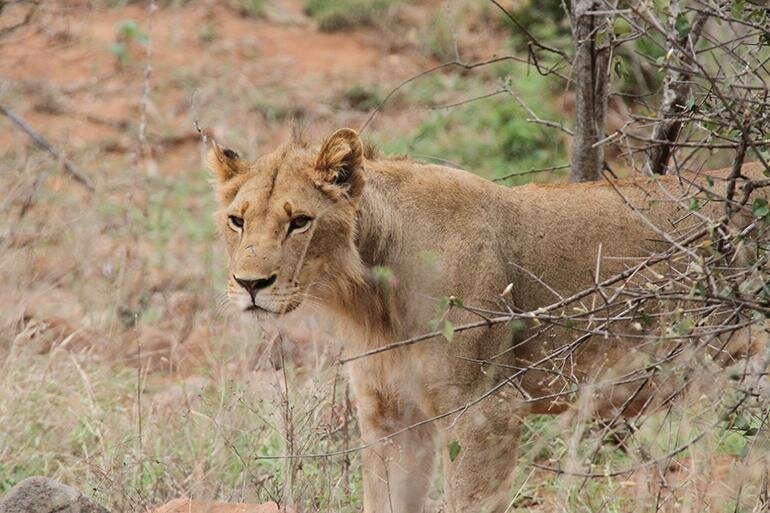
[43, 495]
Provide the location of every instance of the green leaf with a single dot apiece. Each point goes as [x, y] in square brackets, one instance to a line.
[454, 449]
[734, 443]
[128, 29]
[385, 277]
[120, 51]
[741, 423]
[621, 26]
[448, 331]
[600, 37]
[694, 206]
[760, 207]
[738, 9]
[682, 26]
[685, 326]
[568, 323]
[442, 305]
[517, 325]
[620, 69]
[383, 273]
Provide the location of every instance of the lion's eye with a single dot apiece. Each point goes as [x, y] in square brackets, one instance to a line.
[236, 223]
[299, 223]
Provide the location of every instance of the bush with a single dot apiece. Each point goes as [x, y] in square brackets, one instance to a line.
[334, 15]
[252, 8]
[491, 136]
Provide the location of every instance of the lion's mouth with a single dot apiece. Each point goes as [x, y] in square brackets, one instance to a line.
[256, 309]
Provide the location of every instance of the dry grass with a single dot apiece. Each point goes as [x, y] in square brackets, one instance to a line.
[77, 419]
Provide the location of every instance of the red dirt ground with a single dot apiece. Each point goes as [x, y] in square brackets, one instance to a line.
[74, 90]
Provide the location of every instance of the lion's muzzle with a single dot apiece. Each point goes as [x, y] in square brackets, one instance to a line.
[254, 286]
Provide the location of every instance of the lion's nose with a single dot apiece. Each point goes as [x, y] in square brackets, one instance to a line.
[254, 286]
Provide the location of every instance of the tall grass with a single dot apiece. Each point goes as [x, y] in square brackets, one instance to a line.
[134, 439]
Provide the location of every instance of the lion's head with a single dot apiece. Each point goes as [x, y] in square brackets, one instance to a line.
[288, 220]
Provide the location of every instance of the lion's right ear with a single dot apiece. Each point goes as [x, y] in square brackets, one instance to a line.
[224, 162]
[340, 161]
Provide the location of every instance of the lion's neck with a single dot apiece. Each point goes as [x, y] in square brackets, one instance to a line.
[364, 297]
[378, 226]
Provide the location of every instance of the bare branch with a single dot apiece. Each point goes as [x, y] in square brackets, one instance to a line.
[68, 166]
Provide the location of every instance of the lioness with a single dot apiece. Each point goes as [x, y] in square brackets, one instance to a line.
[311, 229]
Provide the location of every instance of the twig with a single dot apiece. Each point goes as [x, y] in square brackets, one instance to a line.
[68, 166]
[534, 118]
[201, 133]
[445, 65]
[467, 100]
[151, 8]
[735, 172]
[533, 40]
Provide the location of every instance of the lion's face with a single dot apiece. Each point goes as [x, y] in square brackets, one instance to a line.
[288, 220]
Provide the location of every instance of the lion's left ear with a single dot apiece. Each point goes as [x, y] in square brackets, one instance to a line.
[340, 162]
[224, 162]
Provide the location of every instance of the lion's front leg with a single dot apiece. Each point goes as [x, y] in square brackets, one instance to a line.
[398, 472]
[480, 453]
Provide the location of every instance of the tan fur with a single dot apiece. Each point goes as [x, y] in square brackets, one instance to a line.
[372, 212]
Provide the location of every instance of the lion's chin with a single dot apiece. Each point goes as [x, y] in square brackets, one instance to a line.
[257, 310]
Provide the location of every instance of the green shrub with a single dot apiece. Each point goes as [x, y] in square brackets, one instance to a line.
[334, 15]
[491, 136]
[363, 98]
[127, 32]
[441, 38]
[252, 8]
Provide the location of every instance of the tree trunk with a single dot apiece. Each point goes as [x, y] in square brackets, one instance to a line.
[591, 75]
[676, 89]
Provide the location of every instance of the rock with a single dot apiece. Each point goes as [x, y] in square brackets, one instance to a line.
[43, 495]
[191, 506]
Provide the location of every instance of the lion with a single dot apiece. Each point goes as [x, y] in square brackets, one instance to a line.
[373, 243]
